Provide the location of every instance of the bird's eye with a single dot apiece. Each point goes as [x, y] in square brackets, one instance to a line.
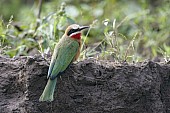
[70, 32]
[73, 30]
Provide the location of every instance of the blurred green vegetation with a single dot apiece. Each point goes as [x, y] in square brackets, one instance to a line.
[121, 30]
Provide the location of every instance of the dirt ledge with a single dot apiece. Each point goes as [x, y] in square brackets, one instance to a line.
[88, 86]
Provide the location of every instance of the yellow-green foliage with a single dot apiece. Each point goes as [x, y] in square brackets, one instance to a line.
[121, 30]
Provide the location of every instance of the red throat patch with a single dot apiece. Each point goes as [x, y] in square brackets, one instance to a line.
[76, 36]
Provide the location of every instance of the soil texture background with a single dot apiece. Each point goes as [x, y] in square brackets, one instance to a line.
[89, 86]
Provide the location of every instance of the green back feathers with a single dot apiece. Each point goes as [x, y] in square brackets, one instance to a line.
[63, 55]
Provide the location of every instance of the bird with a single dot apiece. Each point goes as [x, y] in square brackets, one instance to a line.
[66, 51]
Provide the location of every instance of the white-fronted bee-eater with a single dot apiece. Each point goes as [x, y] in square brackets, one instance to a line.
[66, 51]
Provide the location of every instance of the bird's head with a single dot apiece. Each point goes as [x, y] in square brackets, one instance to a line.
[74, 31]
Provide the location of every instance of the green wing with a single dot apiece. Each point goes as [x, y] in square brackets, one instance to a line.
[62, 57]
[53, 59]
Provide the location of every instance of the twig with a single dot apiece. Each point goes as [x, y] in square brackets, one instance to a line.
[85, 38]
[94, 22]
[39, 14]
[39, 7]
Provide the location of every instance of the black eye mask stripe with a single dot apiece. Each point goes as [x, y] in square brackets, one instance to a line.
[72, 31]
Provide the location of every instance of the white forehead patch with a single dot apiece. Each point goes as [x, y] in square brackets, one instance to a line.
[75, 26]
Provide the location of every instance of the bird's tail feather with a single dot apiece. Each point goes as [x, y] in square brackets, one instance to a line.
[48, 92]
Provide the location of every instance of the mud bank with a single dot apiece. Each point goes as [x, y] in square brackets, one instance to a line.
[89, 86]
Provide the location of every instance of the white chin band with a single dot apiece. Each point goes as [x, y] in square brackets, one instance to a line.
[74, 33]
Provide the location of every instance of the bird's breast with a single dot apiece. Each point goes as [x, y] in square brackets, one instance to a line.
[78, 52]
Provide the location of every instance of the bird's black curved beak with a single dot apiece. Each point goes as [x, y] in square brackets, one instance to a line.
[83, 27]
